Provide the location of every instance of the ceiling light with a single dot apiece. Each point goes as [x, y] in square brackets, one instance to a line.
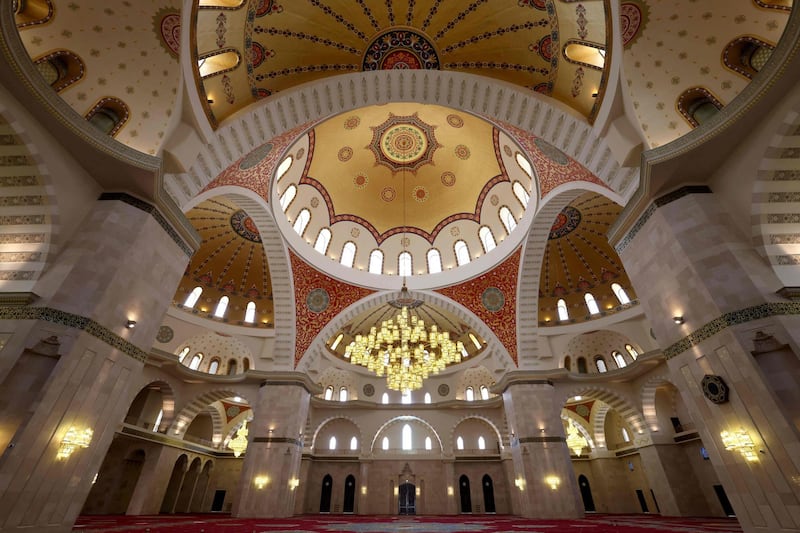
[678, 319]
[130, 324]
[239, 443]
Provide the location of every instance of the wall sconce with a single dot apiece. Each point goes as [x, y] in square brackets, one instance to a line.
[678, 319]
[741, 442]
[261, 482]
[294, 483]
[130, 324]
[396, 491]
[450, 491]
[364, 490]
[74, 439]
[520, 483]
[553, 482]
[418, 491]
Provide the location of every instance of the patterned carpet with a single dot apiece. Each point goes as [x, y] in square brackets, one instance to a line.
[394, 524]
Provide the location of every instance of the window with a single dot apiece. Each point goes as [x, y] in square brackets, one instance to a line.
[406, 437]
[619, 359]
[698, 105]
[32, 12]
[591, 304]
[246, 364]
[336, 341]
[385, 398]
[581, 365]
[158, 419]
[475, 341]
[427, 397]
[600, 363]
[561, 306]
[329, 393]
[222, 306]
[434, 261]
[191, 300]
[428, 443]
[332, 443]
[632, 352]
[61, 69]
[508, 220]
[524, 164]
[746, 55]
[109, 115]
[568, 363]
[250, 313]
[462, 253]
[385, 443]
[213, 367]
[218, 62]
[182, 355]
[302, 221]
[283, 168]
[348, 254]
[195, 364]
[343, 394]
[620, 293]
[287, 197]
[521, 194]
[323, 238]
[376, 262]
[586, 54]
[404, 265]
[481, 443]
[484, 392]
[405, 397]
[469, 394]
[625, 436]
[354, 444]
[487, 239]
[459, 443]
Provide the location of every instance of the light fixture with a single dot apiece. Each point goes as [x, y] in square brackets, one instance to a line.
[520, 483]
[73, 439]
[741, 442]
[575, 441]
[261, 482]
[450, 491]
[130, 324]
[239, 443]
[294, 483]
[552, 481]
[678, 319]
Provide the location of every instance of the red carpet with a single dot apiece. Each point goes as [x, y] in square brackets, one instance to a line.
[207, 523]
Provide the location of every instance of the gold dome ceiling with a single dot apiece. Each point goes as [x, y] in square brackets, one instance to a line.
[579, 260]
[230, 262]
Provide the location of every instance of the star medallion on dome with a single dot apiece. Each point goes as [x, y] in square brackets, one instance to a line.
[403, 143]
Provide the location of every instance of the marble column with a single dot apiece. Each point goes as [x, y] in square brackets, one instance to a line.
[686, 259]
[362, 495]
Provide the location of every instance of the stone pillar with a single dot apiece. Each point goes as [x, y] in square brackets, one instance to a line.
[275, 447]
[686, 259]
[362, 496]
[452, 486]
[539, 450]
[672, 479]
[122, 264]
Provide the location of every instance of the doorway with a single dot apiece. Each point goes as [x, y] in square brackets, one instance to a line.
[349, 494]
[488, 494]
[586, 494]
[727, 508]
[466, 500]
[325, 497]
[407, 499]
[642, 501]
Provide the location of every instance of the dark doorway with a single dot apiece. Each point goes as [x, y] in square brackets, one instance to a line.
[325, 498]
[407, 499]
[642, 501]
[488, 494]
[586, 494]
[349, 494]
[219, 499]
[174, 486]
[466, 500]
[727, 508]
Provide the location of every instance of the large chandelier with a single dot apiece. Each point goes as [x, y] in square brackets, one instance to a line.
[404, 349]
[575, 441]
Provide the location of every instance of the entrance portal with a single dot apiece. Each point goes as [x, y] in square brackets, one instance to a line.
[466, 499]
[325, 497]
[407, 498]
[586, 494]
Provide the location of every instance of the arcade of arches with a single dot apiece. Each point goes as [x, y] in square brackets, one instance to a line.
[206, 205]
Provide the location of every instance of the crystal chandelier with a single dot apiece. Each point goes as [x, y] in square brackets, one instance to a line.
[403, 348]
[575, 441]
[239, 443]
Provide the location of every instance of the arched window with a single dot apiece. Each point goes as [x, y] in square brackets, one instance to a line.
[61, 69]
[428, 443]
[343, 394]
[191, 300]
[385, 398]
[329, 393]
[245, 364]
[250, 313]
[283, 168]
[568, 363]
[581, 365]
[222, 306]
[336, 341]
[469, 394]
[385, 443]
[481, 443]
[521, 194]
[625, 436]
[332, 443]
[524, 164]
[561, 306]
[484, 392]
[221, 3]
[218, 62]
[619, 359]
[195, 364]
[746, 55]
[698, 105]
[323, 238]
[632, 352]
[508, 220]
[287, 197]
[32, 12]
[301, 221]
[376, 262]
[405, 397]
[213, 367]
[348, 254]
[487, 239]
[406, 437]
[460, 443]
[109, 115]
[600, 363]
[462, 252]
[427, 397]
[585, 54]
[182, 355]
[434, 261]
[232, 367]
[158, 419]
[591, 304]
[354, 444]
[475, 341]
[404, 265]
[620, 293]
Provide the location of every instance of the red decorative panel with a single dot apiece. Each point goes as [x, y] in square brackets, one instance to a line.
[232, 410]
[583, 410]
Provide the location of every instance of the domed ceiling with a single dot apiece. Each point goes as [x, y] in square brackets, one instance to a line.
[283, 44]
[230, 262]
[579, 260]
[406, 177]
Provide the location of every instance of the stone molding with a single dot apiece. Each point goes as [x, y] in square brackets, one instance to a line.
[279, 440]
[527, 440]
[517, 378]
[295, 379]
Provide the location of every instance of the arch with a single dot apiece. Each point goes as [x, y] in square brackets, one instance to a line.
[109, 115]
[301, 222]
[33, 12]
[405, 418]
[585, 53]
[222, 307]
[492, 426]
[405, 265]
[348, 256]
[612, 399]
[698, 105]
[328, 420]
[218, 62]
[434, 259]
[487, 239]
[184, 417]
[376, 262]
[167, 406]
[461, 251]
[61, 68]
[173, 486]
[323, 240]
[648, 399]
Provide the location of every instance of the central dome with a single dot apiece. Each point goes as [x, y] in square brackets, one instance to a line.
[403, 189]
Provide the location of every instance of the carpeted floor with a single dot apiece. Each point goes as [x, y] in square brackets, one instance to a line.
[207, 523]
